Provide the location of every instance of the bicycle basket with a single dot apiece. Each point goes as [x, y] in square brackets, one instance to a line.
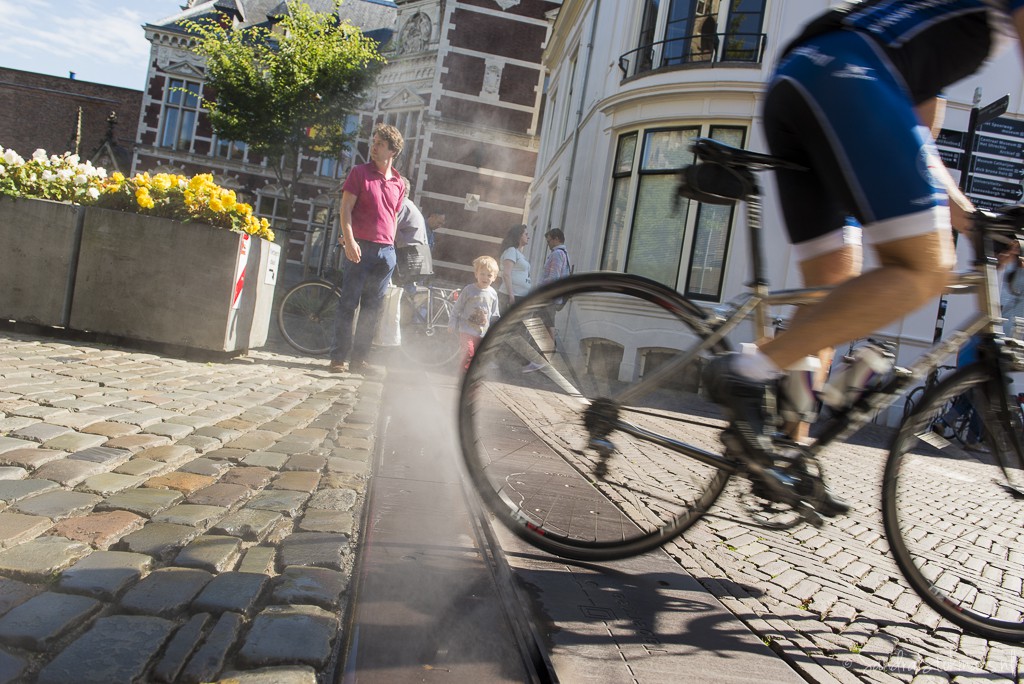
[714, 183]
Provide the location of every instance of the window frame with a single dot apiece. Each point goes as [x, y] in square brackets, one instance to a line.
[698, 239]
[173, 90]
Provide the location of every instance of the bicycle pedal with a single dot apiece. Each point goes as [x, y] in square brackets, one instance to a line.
[809, 515]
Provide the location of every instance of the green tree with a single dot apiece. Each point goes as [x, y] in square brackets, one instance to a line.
[286, 90]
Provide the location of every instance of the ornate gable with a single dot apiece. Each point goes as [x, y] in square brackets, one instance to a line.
[404, 99]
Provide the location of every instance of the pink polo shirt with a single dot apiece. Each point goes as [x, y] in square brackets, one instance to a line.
[377, 202]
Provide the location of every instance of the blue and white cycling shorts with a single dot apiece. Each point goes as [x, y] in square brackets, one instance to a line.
[836, 106]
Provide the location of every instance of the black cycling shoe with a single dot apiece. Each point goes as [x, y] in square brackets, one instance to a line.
[744, 402]
[831, 505]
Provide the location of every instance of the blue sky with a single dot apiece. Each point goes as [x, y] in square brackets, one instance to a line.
[100, 40]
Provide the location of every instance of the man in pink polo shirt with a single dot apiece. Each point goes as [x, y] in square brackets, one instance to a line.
[370, 200]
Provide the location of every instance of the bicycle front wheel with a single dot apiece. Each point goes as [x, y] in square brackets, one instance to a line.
[955, 519]
[536, 417]
[306, 316]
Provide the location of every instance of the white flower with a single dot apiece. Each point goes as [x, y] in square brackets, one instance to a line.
[3, 170]
[48, 175]
[93, 193]
[81, 179]
[11, 157]
[73, 159]
[39, 155]
[65, 174]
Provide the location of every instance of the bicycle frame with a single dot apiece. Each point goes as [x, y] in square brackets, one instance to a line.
[981, 280]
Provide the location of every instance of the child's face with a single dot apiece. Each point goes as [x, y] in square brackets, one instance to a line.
[484, 278]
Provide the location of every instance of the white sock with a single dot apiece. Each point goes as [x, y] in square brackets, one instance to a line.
[752, 363]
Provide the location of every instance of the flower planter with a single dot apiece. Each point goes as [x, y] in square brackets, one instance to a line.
[184, 284]
[40, 240]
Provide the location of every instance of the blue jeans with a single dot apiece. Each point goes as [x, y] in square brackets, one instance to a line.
[363, 286]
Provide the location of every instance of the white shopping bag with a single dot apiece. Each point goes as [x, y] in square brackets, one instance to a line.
[389, 333]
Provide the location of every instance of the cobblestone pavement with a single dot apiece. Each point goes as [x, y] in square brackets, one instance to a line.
[831, 600]
[175, 521]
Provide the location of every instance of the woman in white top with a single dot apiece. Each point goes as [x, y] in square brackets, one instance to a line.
[515, 269]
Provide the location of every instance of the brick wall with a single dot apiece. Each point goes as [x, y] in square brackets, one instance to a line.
[41, 111]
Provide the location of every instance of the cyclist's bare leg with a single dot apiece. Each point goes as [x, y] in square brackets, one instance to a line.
[829, 269]
[912, 271]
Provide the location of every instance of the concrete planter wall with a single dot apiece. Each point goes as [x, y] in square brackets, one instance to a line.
[38, 251]
[140, 277]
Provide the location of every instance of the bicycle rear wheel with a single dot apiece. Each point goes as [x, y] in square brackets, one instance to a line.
[426, 339]
[531, 391]
[306, 316]
[955, 519]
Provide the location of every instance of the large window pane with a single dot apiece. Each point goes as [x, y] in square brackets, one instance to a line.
[616, 232]
[665, 150]
[656, 242]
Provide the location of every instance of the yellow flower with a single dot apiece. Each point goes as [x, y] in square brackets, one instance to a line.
[143, 198]
[162, 181]
[117, 177]
[215, 205]
[227, 198]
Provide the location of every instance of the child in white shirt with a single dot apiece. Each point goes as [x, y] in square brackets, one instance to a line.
[476, 308]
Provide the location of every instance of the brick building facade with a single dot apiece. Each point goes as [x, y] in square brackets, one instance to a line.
[41, 111]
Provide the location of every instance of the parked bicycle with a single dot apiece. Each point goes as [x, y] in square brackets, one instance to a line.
[426, 338]
[306, 315]
[611, 449]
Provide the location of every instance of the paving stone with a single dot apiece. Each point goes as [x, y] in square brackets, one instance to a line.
[193, 515]
[174, 431]
[298, 481]
[104, 412]
[253, 478]
[99, 530]
[44, 618]
[311, 462]
[145, 502]
[16, 528]
[117, 649]
[298, 585]
[211, 552]
[105, 574]
[159, 540]
[67, 472]
[76, 420]
[286, 635]
[333, 499]
[14, 593]
[261, 560]
[220, 494]
[169, 453]
[291, 447]
[106, 456]
[111, 431]
[10, 444]
[288, 674]
[236, 592]
[340, 522]
[186, 483]
[30, 458]
[232, 455]
[317, 549]
[146, 417]
[12, 473]
[180, 648]
[205, 466]
[254, 440]
[12, 491]
[41, 558]
[165, 592]
[281, 500]
[12, 667]
[106, 484]
[337, 464]
[248, 524]
[143, 467]
[74, 441]
[199, 443]
[209, 659]
[57, 505]
[137, 443]
[41, 432]
[265, 459]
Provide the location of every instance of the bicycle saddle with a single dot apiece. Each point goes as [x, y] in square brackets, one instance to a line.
[707, 149]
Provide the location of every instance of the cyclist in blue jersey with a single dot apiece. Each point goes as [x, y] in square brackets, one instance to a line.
[855, 98]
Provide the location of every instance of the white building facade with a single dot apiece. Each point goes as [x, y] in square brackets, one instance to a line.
[631, 83]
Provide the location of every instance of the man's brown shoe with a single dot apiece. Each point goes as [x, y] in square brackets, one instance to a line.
[337, 367]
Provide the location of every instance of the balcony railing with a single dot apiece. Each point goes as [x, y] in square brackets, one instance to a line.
[696, 49]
